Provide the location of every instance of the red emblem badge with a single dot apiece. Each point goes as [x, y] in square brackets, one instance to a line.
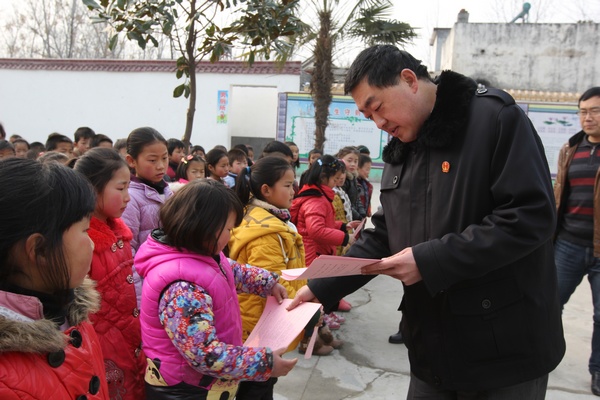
[445, 167]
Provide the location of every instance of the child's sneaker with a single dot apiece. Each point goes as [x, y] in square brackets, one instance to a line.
[338, 318]
[331, 322]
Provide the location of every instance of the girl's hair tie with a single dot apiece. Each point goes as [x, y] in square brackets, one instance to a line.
[187, 158]
[320, 162]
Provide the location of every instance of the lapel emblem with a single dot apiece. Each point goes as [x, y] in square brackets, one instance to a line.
[445, 167]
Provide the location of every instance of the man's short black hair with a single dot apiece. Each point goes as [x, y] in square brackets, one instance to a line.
[588, 94]
[381, 66]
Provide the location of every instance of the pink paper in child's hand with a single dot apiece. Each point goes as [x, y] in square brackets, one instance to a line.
[277, 327]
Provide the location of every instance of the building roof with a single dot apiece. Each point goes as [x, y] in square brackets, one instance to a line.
[221, 67]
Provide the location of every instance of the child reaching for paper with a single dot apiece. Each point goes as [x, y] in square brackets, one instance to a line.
[190, 316]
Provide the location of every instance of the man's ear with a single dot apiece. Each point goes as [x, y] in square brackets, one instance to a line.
[408, 76]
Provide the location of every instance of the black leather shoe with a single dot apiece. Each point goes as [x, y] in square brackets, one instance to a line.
[596, 383]
[397, 338]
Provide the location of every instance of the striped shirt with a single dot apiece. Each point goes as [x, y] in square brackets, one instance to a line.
[578, 217]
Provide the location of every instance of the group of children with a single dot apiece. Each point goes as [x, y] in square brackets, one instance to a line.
[173, 309]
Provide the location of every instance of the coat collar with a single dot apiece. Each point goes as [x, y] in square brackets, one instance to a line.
[43, 335]
[105, 234]
[448, 119]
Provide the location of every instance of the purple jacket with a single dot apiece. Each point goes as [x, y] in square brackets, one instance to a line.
[141, 214]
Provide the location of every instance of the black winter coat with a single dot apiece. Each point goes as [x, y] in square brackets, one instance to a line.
[473, 198]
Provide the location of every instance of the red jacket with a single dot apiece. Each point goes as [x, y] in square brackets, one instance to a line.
[313, 214]
[117, 323]
[39, 361]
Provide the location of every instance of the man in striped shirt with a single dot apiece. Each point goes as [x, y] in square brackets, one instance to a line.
[577, 193]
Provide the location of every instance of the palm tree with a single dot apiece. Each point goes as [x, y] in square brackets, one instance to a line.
[339, 23]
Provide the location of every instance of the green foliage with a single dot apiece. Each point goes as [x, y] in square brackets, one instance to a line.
[366, 20]
[259, 29]
[263, 28]
[371, 27]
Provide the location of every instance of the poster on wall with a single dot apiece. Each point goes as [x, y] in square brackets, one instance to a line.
[222, 103]
[347, 126]
[555, 124]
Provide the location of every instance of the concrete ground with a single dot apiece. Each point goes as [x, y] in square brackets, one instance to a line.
[367, 367]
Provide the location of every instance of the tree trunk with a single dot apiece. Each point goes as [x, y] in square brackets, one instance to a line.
[190, 48]
[322, 78]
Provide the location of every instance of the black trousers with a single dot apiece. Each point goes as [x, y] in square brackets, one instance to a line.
[530, 390]
[250, 390]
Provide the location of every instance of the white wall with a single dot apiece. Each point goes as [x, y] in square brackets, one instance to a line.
[548, 57]
[251, 114]
[37, 102]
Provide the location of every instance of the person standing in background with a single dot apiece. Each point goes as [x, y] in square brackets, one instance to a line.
[577, 195]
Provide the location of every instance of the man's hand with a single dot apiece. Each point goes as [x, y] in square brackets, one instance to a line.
[303, 295]
[400, 266]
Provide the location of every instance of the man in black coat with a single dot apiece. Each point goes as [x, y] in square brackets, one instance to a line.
[466, 224]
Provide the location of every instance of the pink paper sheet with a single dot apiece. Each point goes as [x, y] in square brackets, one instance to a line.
[277, 327]
[327, 266]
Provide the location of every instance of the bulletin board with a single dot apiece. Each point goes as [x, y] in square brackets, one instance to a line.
[555, 124]
[347, 126]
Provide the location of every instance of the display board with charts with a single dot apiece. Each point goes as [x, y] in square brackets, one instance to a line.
[347, 126]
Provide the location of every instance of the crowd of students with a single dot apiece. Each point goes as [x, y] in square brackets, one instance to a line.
[182, 264]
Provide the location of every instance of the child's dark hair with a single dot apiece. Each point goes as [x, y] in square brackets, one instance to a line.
[120, 144]
[266, 171]
[83, 132]
[5, 144]
[100, 138]
[54, 139]
[363, 149]
[236, 155]
[35, 149]
[53, 157]
[21, 140]
[198, 148]
[212, 158]
[98, 165]
[2, 132]
[140, 138]
[364, 159]
[242, 147]
[315, 151]
[183, 166]
[344, 151]
[324, 168]
[173, 144]
[277, 147]
[196, 214]
[295, 164]
[45, 199]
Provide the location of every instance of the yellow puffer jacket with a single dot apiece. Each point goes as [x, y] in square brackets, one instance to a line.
[265, 241]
